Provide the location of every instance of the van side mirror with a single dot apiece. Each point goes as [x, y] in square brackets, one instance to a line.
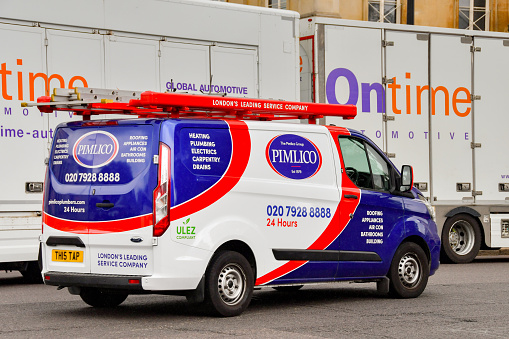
[407, 178]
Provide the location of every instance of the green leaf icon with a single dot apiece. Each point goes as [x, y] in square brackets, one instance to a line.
[187, 221]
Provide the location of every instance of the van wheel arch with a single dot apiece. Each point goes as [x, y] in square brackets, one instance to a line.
[242, 248]
[197, 296]
[422, 243]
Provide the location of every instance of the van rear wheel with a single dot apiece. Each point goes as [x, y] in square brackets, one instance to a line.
[409, 271]
[228, 284]
[99, 298]
[32, 273]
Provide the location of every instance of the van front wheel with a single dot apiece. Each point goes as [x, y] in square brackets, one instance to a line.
[98, 298]
[409, 271]
[229, 284]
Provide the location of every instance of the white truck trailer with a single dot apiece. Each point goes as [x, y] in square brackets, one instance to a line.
[189, 46]
[454, 134]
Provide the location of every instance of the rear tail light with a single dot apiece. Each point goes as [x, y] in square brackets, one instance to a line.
[161, 193]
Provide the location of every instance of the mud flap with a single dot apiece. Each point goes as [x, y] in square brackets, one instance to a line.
[197, 296]
[382, 286]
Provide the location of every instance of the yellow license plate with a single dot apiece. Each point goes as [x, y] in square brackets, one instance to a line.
[67, 256]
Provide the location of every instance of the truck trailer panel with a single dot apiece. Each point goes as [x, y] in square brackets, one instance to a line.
[433, 97]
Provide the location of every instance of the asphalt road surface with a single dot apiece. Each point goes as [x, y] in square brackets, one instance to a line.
[461, 301]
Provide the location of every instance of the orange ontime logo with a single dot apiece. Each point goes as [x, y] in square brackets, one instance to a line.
[460, 100]
[6, 76]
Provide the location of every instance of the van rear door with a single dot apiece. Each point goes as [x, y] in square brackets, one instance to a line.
[99, 197]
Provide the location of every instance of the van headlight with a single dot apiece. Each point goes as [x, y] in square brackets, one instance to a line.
[431, 209]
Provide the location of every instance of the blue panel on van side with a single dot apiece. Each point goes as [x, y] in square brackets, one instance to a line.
[377, 226]
[201, 154]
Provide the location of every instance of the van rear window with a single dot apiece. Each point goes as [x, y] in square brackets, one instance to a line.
[106, 155]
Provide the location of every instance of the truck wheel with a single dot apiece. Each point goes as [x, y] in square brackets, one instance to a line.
[461, 239]
[32, 274]
[98, 298]
[228, 284]
[409, 271]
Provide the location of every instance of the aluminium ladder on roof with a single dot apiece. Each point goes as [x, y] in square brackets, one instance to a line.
[89, 101]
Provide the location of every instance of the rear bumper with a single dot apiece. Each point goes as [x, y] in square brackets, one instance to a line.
[121, 282]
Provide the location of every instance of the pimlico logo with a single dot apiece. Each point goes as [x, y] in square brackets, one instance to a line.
[293, 156]
[95, 149]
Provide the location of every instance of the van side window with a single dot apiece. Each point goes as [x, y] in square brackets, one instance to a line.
[379, 170]
[364, 165]
[356, 162]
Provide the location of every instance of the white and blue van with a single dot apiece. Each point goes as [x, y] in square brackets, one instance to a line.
[212, 208]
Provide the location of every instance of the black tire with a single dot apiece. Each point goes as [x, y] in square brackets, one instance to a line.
[228, 284]
[409, 271]
[291, 288]
[99, 298]
[32, 274]
[461, 239]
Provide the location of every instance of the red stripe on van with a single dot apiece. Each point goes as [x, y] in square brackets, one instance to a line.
[337, 224]
[335, 131]
[279, 272]
[97, 227]
[241, 143]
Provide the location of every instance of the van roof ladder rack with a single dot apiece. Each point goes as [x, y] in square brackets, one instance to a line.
[89, 101]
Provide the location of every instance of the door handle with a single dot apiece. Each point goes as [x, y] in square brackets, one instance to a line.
[351, 196]
[105, 205]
